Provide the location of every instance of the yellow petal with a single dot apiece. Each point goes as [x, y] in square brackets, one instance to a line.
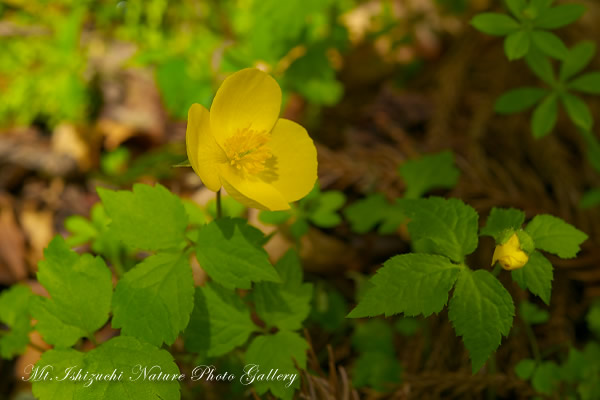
[510, 255]
[293, 168]
[251, 191]
[203, 151]
[248, 99]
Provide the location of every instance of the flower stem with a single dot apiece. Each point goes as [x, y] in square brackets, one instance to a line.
[533, 342]
[219, 209]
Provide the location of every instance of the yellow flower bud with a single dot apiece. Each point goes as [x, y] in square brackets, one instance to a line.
[510, 255]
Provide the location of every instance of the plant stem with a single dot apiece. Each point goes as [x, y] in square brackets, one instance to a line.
[497, 270]
[219, 209]
[533, 342]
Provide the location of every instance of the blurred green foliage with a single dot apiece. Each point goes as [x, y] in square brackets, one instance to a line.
[53, 51]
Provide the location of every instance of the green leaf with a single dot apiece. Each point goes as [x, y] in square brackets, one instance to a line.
[299, 228]
[544, 116]
[153, 301]
[578, 111]
[593, 318]
[324, 213]
[588, 83]
[379, 371]
[365, 214]
[536, 276]
[442, 226]
[481, 311]
[517, 100]
[14, 312]
[230, 207]
[196, 215]
[516, 7]
[329, 308]
[431, 171]
[494, 24]
[275, 353]
[541, 67]
[284, 305]
[274, 217]
[80, 289]
[409, 283]
[501, 220]
[559, 16]
[148, 218]
[374, 335]
[120, 354]
[590, 199]
[579, 57]
[532, 314]
[524, 369]
[230, 252]
[550, 44]
[555, 236]
[219, 323]
[516, 45]
[546, 378]
[82, 230]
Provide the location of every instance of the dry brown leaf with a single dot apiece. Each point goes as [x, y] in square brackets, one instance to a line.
[39, 229]
[12, 246]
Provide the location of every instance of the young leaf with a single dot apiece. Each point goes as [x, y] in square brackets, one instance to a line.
[516, 45]
[56, 362]
[153, 301]
[518, 99]
[365, 214]
[536, 276]
[578, 111]
[430, 171]
[555, 236]
[544, 116]
[284, 305]
[148, 218]
[579, 57]
[550, 44]
[516, 7]
[324, 213]
[412, 284]
[524, 369]
[442, 226]
[501, 219]
[559, 16]
[494, 24]
[541, 66]
[546, 378]
[230, 251]
[588, 83]
[532, 314]
[277, 353]
[219, 323]
[14, 312]
[80, 289]
[481, 311]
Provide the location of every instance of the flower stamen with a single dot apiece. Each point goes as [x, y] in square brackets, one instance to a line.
[246, 150]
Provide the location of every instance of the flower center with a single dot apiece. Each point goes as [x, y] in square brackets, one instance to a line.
[247, 150]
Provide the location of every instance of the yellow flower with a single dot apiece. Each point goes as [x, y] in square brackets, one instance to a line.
[510, 255]
[263, 161]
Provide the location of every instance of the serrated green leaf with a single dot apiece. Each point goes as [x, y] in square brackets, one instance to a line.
[555, 236]
[379, 371]
[541, 66]
[68, 276]
[365, 214]
[481, 311]
[546, 377]
[578, 111]
[230, 252]
[284, 305]
[494, 24]
[274, 217]
[276, 352]
[148, 218]
[516, 45]
[536, 276]
[588, 83]
[516, 7]
[559, 16]
[502, 219]
[517, 100]
[524, 369]
[550, 44]
[153, 301]
[442, 226]
[196, 215]
[579, 57]
[324, 213]
[412, 284]
[219, 322]
[14, 312]
[544, 117]
[55, 363]
[431, 171]
[82, 230]
[532, 314]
